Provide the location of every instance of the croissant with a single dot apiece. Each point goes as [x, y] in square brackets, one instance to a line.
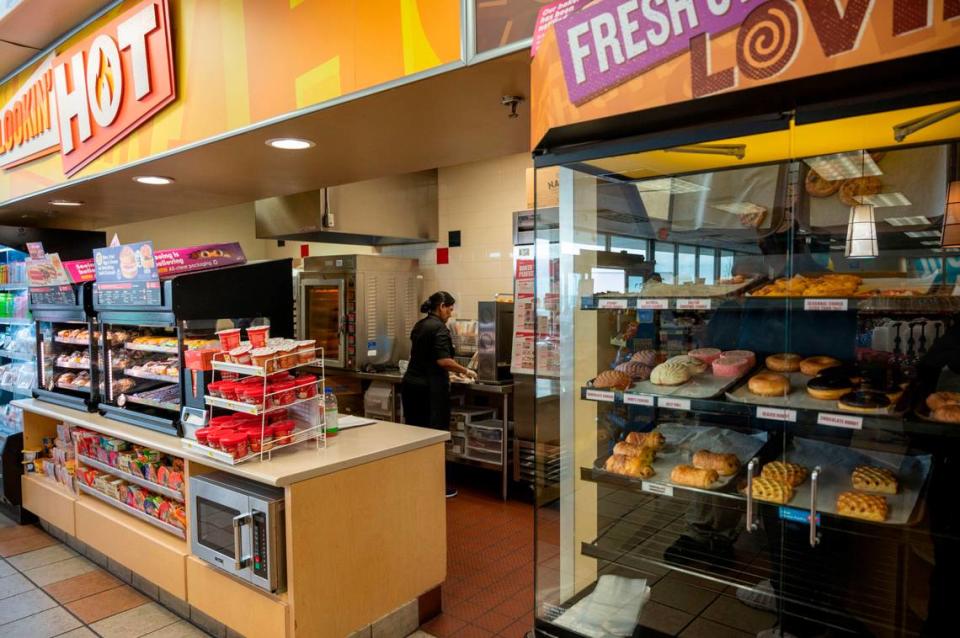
[724, 464]
[628, 466]
[645, 454]
[652, 440]
[694, 476]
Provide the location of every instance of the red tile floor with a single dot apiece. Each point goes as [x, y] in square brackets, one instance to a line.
[489, 586]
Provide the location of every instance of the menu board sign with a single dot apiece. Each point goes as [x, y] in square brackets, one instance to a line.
[524, 314]
[175, 261]
[53, 296]
[46, 270]
[127, 275]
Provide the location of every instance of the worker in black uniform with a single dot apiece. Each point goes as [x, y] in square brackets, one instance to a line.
[426, 383]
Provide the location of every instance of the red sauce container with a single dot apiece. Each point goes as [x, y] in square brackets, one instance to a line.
[222, 421]
[229, 339]
[234, 444]
[252, 394]
[201, 435]
[285, 394]
[277, 415]
[213, 389]
[227, 389]
[283, 432]
[306, 386]
[258, 336]
[215, 437]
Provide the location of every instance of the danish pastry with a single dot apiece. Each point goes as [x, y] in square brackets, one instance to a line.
[613, 379]
[874, 479]
[790, 473]
[628, 466]
[772, 490]
[940, 399]
[694, 476]
[645, 454]
[947, 414]
[869, 507]
[653, 440]
[724, 464]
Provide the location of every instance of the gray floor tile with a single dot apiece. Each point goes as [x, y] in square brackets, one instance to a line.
[46, 624]
[683, 596]
[25, 604]
[62, 570]
[14, 584]
[135, 622]
[731, 612]
[6, 569]
[79, 632]
[703, 628]
[663, 618]
[181, 629]
[41, 557]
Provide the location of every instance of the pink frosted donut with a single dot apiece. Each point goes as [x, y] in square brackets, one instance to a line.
[645, 357]
[745, 354]
[635, 369]
[728, 366]
[707, 355]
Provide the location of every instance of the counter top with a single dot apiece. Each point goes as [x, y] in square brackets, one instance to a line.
[396, 378]
[349, 448]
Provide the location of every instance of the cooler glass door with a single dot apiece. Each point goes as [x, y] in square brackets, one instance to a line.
[324, 317]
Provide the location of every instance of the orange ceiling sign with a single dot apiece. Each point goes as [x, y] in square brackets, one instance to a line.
[112, 81]
[620, 56]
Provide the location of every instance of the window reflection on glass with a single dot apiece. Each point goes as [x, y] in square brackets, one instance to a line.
[726, 264]
[687, 264]
[705, 265]
[607, 280]
[503, 22]
[629, 245]
[663, 261]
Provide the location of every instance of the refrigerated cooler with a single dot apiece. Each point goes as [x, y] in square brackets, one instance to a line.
[145, 379]
[359, 308]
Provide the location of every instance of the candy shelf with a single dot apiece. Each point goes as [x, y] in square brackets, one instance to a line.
[132, 511]
[132, 478]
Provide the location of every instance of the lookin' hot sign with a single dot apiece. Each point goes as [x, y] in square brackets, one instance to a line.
[616, 56]
[87, 98]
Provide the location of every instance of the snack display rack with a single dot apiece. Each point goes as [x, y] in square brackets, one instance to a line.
[303, 402]
[848, 480]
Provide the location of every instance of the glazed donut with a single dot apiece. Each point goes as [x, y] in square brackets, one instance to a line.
[769, 384]
[783, 362]
[829, 388]
[812, 366]
[938, 400]
[947, 414]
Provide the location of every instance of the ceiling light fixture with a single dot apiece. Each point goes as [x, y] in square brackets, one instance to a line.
[153, 180]
[916, 220]
[914, 234]
[861, 233]
[951, 217]
[672, 185]
[850, 165]
[884, 200]
[64, 202]
[290, 143]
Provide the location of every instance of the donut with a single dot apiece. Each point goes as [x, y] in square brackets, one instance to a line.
[812, 366]
[845, 371]
[949, 413]
[746, 354]
[637, 371]
[769, 384]
[670, 374]
[829, 388]
[863, 401]
[818, 187]
[938, 400]
[707, 355]
[858, 187]
[727, 366]
[696, 366]
[646, 357]
[783, 362]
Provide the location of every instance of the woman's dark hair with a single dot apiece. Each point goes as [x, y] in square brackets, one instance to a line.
[437, 299]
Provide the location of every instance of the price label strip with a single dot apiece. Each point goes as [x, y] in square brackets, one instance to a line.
[693, 304]
[638, 399]
[657, 488]
[612, 304]
[653, 304]
[828, 305]
[601, 395]
[673, 404]
[847, 421]
[777, 414]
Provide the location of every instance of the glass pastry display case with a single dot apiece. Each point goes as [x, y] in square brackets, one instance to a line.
[144, 348]
[67, 341]
[757, 405]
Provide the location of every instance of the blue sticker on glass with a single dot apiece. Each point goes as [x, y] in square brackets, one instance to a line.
[796, 515]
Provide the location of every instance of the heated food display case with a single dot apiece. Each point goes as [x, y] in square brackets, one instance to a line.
[143, 347]
[67, 345]
[757, 403]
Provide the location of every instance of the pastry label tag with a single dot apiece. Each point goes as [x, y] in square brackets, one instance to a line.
[840, 421]
[612, 304]
[652, 304]
[638, 399]
[825, 304]
[797, 515]
[657, 488]
[693, 304]
[673, 404]
[776, 414]
[601, 395]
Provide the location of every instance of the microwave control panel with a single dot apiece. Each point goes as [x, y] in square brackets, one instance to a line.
[351, 328]
[259, 549]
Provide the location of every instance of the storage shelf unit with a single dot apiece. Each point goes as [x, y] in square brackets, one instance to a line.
[132, 478]
[132, 511]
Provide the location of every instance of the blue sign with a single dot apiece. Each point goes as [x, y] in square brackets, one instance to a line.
[796, 515]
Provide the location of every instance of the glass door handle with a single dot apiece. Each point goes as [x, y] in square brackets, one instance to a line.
[239, 561]
[751, 469]
[814, 485]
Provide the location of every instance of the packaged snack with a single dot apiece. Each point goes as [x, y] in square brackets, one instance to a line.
[229, 339]
[258, 335]
[306, 351]
[306, 386]
[234, 444]
[282, 432]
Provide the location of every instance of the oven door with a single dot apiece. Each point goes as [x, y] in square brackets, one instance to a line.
[220, 533]
[323, 317]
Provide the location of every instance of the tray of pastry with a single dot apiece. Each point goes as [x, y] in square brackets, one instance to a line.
[942, 406]
[881, 487]
[845, 285]
[833, 389]
[703, 373]
[722, 288]
[711, 457]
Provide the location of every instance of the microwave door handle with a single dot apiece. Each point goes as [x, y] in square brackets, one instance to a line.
[239, 562]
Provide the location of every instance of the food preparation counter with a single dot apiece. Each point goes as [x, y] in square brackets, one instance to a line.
[383, 476]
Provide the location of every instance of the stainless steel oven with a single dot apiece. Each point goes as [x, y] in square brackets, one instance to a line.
[237, 526]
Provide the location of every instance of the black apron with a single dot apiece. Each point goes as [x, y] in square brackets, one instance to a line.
[426, 386]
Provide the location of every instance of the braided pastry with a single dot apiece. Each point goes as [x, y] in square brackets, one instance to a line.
[772, 490]
[790, 473]
[874, 479]
[869, 507]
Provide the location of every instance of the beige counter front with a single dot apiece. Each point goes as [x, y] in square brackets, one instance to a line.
[365, 526]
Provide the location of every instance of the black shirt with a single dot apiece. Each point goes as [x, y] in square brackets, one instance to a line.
[430, 341]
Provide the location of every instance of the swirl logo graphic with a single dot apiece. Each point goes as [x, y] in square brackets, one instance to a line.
[768, 39]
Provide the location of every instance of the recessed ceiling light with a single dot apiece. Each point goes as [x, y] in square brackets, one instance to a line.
[844, 165]
[922, 233]
[741, 208]
[290, 143]
[930, 243]
[64, 202]
[153, 180]
[881, 200]
[916, 220]
[672, 185]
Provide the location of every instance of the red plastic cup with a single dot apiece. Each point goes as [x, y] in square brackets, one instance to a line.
[229, 339]
[258, 336]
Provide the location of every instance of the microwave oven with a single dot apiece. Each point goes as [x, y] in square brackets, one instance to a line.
[238, 527]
